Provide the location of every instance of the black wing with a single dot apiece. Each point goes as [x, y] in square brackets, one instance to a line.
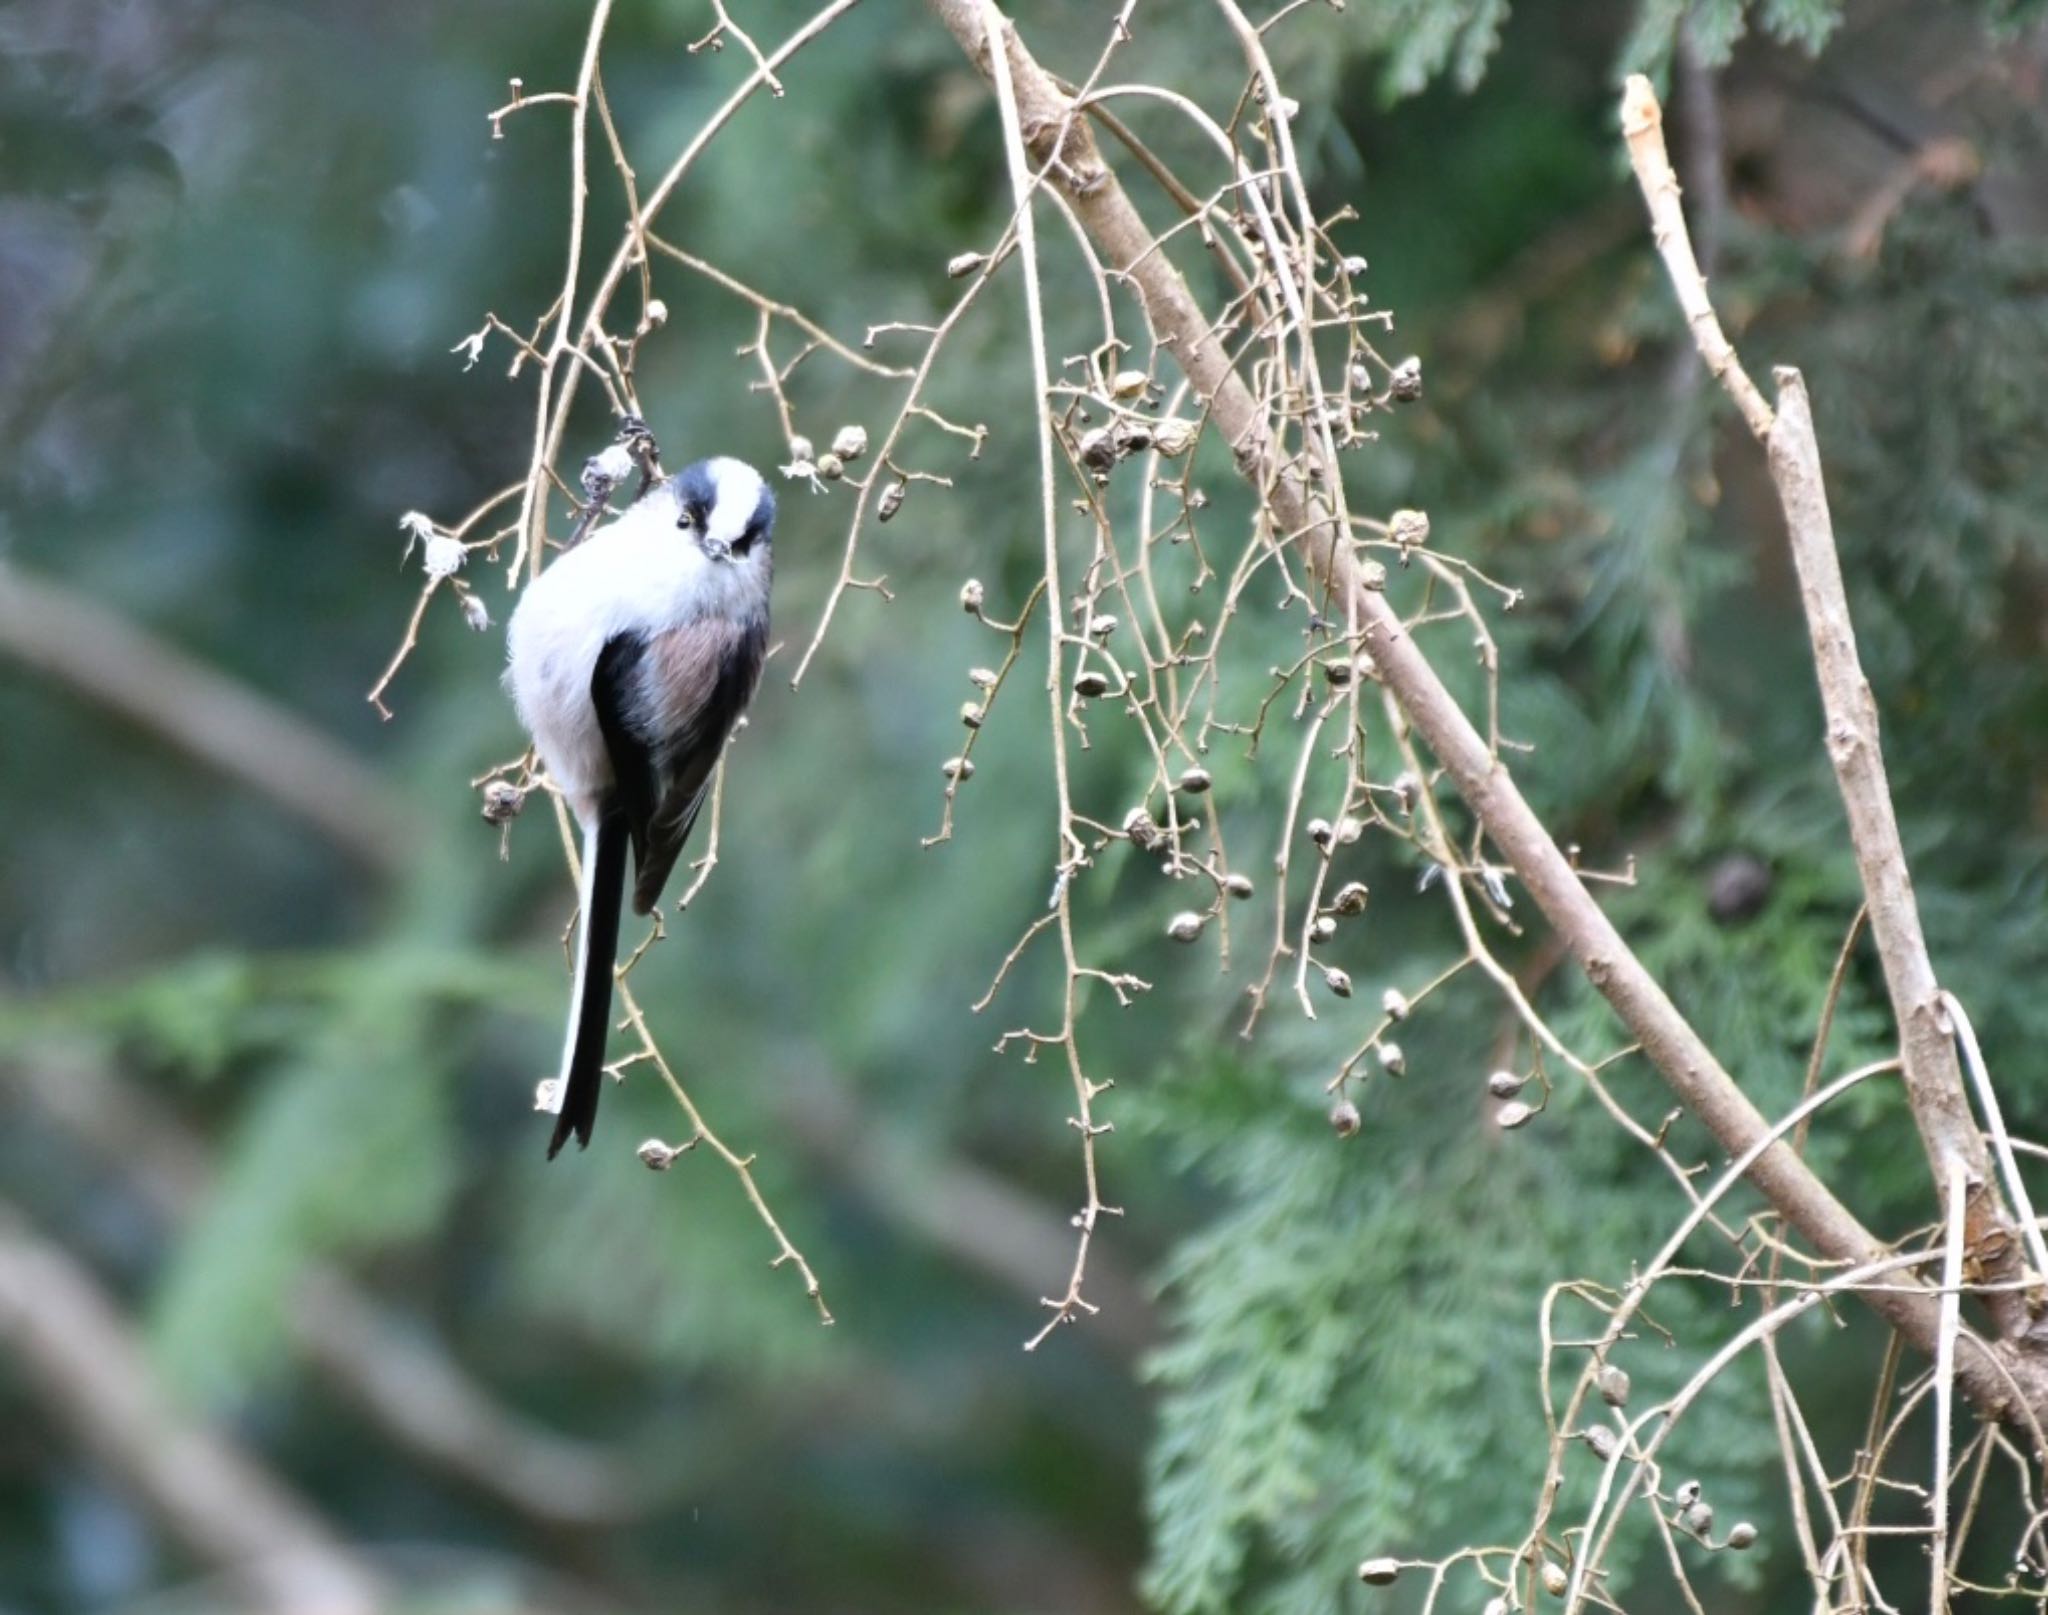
[666, 706]
[614, 692]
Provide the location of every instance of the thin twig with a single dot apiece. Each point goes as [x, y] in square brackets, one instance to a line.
[1944, 1380]
[1642, 125]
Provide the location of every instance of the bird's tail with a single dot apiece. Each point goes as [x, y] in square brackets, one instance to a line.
[590, 1001]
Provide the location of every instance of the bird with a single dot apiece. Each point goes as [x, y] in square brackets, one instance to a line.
[630, 660]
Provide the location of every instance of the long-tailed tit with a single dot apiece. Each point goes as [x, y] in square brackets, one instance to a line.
[631, 658]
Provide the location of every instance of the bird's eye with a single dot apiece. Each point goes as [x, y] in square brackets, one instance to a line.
[686, 521]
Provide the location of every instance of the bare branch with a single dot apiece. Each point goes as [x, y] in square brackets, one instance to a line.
[1934, 1079]
[1642, 124]
[1046, 117]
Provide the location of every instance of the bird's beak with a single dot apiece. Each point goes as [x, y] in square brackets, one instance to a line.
[716, 549]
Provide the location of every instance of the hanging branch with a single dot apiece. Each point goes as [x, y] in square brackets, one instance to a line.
[1061, 145]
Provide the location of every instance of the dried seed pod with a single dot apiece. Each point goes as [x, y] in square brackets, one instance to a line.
[1337, 981]
[1602, 1440]
[1379, 1572]
[1394, 1004]
[1238, 886]
[1505, 1084]
[1405, 786]
[1392, 1059]
[830, 466]
[971, 597]
[1186, 926]
[1102, 625]
[1409, 528]
[1338, 672]
[1354, 266]
[1321, 832]
[657, 1156]
[963, 264]
[657, 313]
[850, 442]
[800, 448]
[1372, 575]
[1195, 781]
[1091, 684]
[1406, 380]
[983, 678]
[1098, 451]
[1555, 1581]
[971, 714]
[1612, 1382]
[1321, 929]
[1365, 667]
[1173, 438]
[1143, 830]
[1511, 1115]
[443, 555]
[474, 612]
[957, 769]
[1344, 1119]
[1493, 1606]
[1129, 383]
[1699, 1519]
[1741, 1536]
[1350, 900]
[1688, 1493]
[890, 502]
[1349, 829]
[502, 802]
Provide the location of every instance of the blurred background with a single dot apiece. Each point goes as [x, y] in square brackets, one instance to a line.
[282, 1270]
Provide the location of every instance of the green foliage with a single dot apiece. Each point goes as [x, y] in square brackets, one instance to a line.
[347, 1150]
[239, 249]
[1717, 26]
[1425, 39]
[1355, 1354]
[1659, 654]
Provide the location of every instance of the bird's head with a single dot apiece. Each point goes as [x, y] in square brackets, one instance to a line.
[726, 507]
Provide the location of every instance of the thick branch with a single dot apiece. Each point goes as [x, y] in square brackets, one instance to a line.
[74, 1347]
[1934, 1077]
[1048, 119]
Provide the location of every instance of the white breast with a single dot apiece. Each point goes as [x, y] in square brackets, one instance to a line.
[638, 574]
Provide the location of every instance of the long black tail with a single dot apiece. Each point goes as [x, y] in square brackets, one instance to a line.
[590, 1005]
